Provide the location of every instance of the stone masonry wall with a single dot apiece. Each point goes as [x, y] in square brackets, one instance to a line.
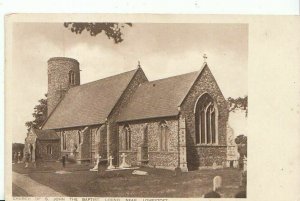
[41, 148]
[84, 138]
[138, 78]
[205, 155]
[158, 158]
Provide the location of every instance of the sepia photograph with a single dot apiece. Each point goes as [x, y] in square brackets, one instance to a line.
[127, 109]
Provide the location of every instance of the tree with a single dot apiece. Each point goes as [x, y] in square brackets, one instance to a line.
[238, 103]
[241, 141]
[111, 30]
[39, 114]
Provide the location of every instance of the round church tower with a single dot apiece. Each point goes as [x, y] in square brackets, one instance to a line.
[63, 73]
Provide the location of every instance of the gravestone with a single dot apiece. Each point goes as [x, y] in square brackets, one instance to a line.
[214, 166]
[19, 157]
[95, 168]
[232, 151]
[124, 164]
[236, 164]
[217, 183]
[245, 163]
[110, 163]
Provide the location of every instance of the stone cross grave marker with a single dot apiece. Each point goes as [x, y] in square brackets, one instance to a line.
[110, 158]
[124, 164]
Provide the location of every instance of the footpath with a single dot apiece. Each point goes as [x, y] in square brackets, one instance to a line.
[33, 188]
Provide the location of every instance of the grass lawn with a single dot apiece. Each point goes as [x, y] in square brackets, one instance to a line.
[159, 182]
[48, 167]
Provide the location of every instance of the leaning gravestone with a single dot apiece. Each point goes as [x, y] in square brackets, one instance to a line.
[95, 168]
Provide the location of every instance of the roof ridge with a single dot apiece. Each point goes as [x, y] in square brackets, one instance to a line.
[103, 78]
[170, 77]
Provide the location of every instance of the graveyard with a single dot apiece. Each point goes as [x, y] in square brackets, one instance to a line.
[77, 180]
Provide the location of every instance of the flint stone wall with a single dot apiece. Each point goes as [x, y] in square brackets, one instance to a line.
[113, 140]
[205, 155]
[156, 157]
[41, 150]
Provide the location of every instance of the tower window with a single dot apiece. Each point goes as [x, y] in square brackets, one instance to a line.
[71, 77]
[49, 78]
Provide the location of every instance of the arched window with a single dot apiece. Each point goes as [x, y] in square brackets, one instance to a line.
[79, 138]
[163, 136]
[126, 145]
[71, 77]
[145, 136]
[64, 141]
[49, 149]
[206, 120]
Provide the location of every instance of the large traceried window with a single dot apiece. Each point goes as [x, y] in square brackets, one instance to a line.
[126, 144]
[206, 120]
[71, 77]
[163, 138]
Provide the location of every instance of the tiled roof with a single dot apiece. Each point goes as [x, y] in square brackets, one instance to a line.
[90, 103]
[159, 98]
[46, 134]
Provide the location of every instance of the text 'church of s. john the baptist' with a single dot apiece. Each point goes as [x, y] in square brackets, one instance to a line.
[173, 122]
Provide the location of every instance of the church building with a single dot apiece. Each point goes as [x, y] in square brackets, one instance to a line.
[173, 122]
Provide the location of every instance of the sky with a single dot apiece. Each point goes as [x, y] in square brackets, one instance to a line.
[163, 50]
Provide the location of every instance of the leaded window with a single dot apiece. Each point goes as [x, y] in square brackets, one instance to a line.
[164, 136]
[206, 120]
